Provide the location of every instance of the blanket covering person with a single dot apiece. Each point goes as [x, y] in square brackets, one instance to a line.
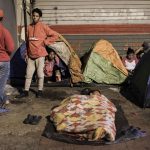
[86, 117]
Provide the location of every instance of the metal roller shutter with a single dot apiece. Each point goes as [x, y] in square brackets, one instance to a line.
[61, 12]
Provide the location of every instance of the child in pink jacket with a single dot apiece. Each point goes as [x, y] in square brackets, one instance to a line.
[51, 69]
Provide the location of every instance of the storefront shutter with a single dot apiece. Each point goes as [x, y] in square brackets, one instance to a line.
[61, 12]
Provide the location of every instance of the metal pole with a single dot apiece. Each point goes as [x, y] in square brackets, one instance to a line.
[25, 17]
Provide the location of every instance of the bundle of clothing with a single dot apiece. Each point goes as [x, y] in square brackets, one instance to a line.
[90, 117]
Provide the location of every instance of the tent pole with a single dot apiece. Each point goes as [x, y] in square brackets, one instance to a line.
[25, 17]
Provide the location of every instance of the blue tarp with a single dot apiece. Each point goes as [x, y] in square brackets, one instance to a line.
[18, 64]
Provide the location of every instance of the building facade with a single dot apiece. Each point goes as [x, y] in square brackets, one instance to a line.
[122, 22]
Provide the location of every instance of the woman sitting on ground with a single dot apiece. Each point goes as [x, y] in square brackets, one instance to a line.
[130, 61]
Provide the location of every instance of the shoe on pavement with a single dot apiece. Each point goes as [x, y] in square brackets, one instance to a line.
[39, 94]
[23, 94]
[28, 120]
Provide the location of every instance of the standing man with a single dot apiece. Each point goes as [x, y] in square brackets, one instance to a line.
[6, 48]
[39, 35]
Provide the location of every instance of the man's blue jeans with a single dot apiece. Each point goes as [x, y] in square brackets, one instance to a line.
[4, 74]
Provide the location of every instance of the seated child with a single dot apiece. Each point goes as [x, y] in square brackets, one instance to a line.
[130, 60]
[51, 68]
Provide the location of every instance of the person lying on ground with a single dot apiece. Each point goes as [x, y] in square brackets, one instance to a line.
[89, 115]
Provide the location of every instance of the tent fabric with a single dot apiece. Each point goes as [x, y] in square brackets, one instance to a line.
[105, 49]
[104, 65]
[64, 50]
[140, 85]
[100, 70]
[18, 64]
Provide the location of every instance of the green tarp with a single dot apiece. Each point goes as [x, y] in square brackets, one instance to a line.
[100, 70]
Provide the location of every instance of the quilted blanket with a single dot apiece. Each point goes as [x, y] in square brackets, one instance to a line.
[90, 117]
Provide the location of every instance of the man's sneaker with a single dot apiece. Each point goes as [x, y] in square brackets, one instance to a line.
[23, 94]
[39, 94]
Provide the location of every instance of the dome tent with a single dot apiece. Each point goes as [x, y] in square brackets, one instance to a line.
[104, 65]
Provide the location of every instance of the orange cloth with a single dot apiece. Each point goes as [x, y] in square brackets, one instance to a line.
[1, 13]
[39, 35]
[105, 49]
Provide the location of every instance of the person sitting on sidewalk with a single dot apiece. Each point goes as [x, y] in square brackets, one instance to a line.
[51, 69]
[130, 61]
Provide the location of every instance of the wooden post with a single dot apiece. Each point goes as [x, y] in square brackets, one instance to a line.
[25, 17]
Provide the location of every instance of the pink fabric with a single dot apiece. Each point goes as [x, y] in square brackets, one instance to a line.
[49, 66]
[6, 44]
[40, 35]
[1, 13]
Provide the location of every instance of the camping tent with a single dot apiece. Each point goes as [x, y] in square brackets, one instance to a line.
[140, 82]
[104, 65]
[62, 49]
